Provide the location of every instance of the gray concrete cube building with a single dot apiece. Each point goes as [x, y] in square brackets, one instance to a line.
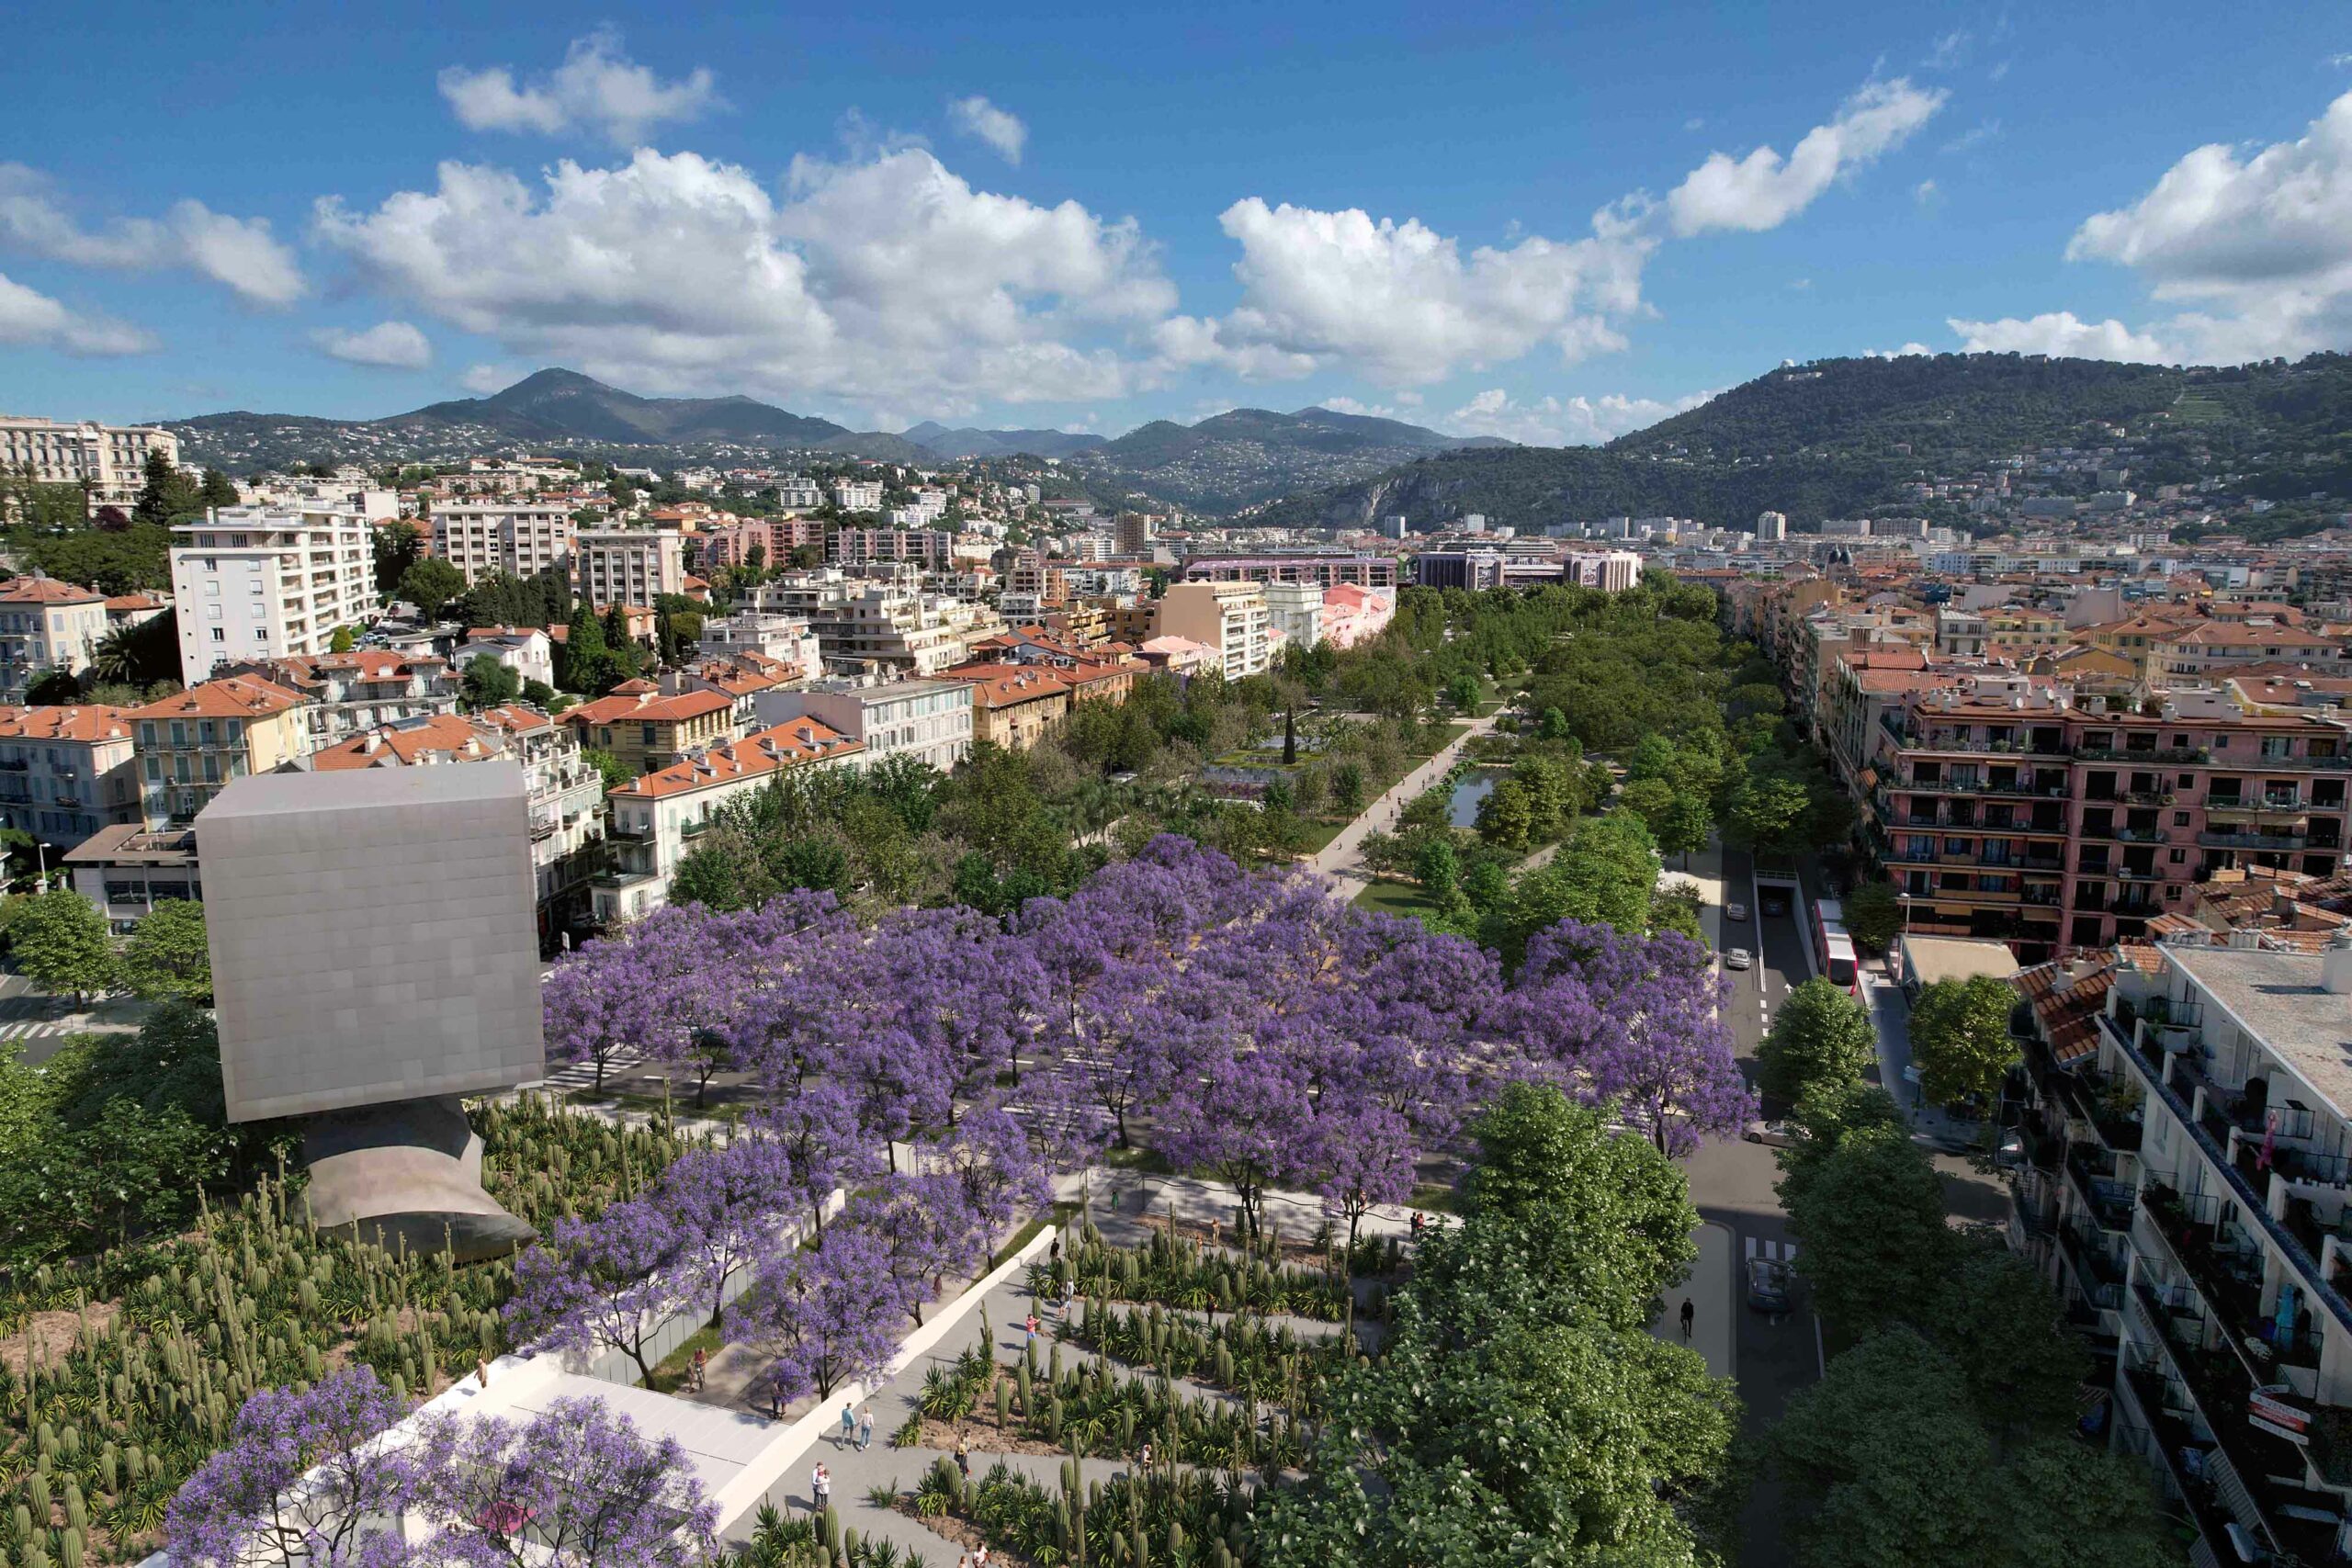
[373, 936]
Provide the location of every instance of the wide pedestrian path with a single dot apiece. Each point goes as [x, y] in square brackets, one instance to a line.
[1342, 858]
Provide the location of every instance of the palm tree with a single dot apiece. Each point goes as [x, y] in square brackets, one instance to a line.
[113, 656]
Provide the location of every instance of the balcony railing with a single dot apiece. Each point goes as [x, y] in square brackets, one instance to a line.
[2093, 1172]
[2255, 841]
[2254, 1204]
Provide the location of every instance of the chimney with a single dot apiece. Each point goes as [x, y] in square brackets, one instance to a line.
[2335, 964]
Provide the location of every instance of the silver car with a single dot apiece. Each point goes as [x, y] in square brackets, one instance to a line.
[1737, 958]
[1736, 913]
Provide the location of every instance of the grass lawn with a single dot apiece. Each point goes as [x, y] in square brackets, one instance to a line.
[1318, 835]
[1441, 739]
[670, 1375]
[1396, 898]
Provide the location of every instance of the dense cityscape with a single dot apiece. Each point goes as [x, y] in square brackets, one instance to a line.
[983, 844]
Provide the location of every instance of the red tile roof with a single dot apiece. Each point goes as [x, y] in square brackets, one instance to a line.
[443, 735]
[641, 703]
[39, 590]
[768, 752]
[84, 721]
[231, 696]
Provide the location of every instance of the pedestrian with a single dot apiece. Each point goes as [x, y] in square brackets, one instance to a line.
[1143, 1461]
[1417, 1225]
[702, 1360]
[1057, 1253]
[865, 1427]
[1029, 1329]
[963, 1457]
[482, 1371]
[1690, 1313]
[820, 1490]
[1069, 1289]
[775, 1394]
[849, 1424]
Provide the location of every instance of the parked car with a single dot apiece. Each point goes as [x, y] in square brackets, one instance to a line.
[1768, 1284]
[1738, 912]
[1737, 958]
[1776, 1134]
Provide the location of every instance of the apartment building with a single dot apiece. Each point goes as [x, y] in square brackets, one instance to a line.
[66, 772]
[768, 634]
[801, 491]
[930, 721]
[1230, 617]
[1013, 707]
[485, 539]
[111, 460]
[934, 548]
[46, 625]
[876, 624]
[1353, 615]
[189, 745]
[733, 542]
[2190, 1160]
[1611, 572]
[858, 495]
[126, 870]
[564, 791]
[1323, 568]
[627, 566]
[364, 689]
[646, 729]
[657, 817]
[526, 650]
[1295, 613]
[2002, 809]
[257, 583]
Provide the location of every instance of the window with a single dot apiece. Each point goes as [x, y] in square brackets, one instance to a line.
[2180, 819]
[2177, 857]
[218, 635]
[212, 588]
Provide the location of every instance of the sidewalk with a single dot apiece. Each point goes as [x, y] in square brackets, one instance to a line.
[1714, 1293]
[1891, 1015]
[1342, 860]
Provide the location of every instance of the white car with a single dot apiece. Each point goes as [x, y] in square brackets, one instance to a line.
[1774, 1135]
[1737, 958]
[1736, 913]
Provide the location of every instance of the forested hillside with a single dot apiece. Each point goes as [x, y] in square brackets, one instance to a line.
[1843, 436]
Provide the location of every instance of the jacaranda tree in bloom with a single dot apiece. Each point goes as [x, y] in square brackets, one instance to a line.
[576, 1486]
[605, 1285]
[826, 1316]
[243, 1508]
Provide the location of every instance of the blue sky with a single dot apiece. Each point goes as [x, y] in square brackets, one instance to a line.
[1552, 223]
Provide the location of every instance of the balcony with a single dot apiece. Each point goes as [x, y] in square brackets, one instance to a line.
[2092, 1171]
[2255, 841]
[2153, 754]
[2257, 810]
[2150, 1068]
[2095, 1268]
[2221, 1258]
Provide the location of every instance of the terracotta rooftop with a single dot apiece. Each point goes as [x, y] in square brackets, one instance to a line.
[640, 702]
[39, 590]
[85, 721]
[231, 696]
[754, 756]
[2066, 999]
[441, 736]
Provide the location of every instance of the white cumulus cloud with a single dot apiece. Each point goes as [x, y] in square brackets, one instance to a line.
[886, 280]
[1401, 303]
[393, 345]
[239, 252]
[1564, 422]
[1764, 190]
[597, 88]
[483, 379]
[1000, 129]
[2061, 333]
[32, 320]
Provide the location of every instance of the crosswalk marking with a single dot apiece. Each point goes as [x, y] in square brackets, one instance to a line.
[1771, 1251]
[582, 1075]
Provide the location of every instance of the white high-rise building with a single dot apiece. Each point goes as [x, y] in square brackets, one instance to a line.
[858, 495]
[483, 538]
[264, 583]
[1772, 528]
[628, 566]
[110, 459]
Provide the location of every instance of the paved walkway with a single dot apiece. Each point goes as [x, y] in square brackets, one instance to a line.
[1713, 1289]
[1891, 1012]
[1342, 859]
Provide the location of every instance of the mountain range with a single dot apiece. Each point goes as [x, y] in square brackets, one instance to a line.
[1235, 459]
[1849, 438]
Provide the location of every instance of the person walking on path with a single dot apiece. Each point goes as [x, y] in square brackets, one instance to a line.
[1690, 1316]
[849, 1424]
[702, 1360]
[1029, 1331]
[963, 1457]
[820, 1490]
[865, 1427]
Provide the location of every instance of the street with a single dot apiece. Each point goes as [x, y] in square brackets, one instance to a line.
[1731, 1183]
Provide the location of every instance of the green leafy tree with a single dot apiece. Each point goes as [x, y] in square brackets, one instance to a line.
[54, 688]
[2000, 1320]
[1347, 787]
[1870, 1216]
[1960, 1037]
[168, 954]
[1647, 798]
[167, 496]
[62, 944]
[397, 547]
[1822, 1038]
[1462, 693]
[1507, 816]
[488, 683]
[343, 640]
[537, 693]
[431, 585]
[1553, 795]
[583, 664]
[616, 771]
[1438, 868]
[1552, 724]
[217, 489]
[1874, 915]
[1768, 813]
[1687, 825]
